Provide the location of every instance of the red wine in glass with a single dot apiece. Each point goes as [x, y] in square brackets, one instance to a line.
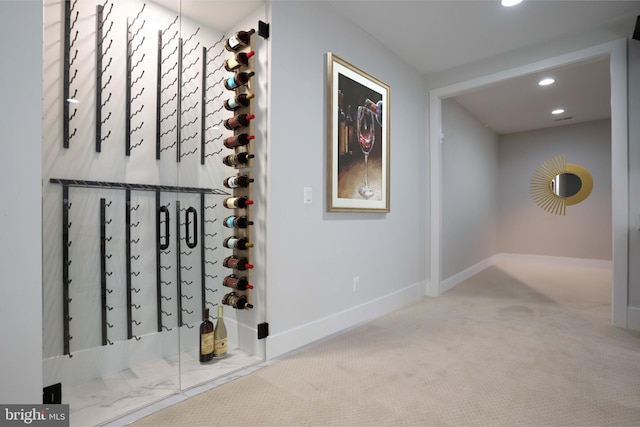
[366, 138]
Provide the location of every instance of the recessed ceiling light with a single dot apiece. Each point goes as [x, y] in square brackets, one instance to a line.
[558, 111]
[509, 3]
[546, 81]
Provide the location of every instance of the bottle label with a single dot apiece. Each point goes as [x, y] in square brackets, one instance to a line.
[231, 83]
[231, 202]
[233, 122]
[233, 263]
[234, 42]
[232, 181]
[231, 243]
[230, 222]
[206, 343]
[232, 63]
[220, 348]
[232, 104]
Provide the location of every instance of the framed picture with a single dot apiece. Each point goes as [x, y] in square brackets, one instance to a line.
[357, 139]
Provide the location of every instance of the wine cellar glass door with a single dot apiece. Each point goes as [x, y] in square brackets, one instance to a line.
[147, 224]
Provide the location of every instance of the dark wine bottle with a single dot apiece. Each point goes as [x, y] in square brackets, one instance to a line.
[239, 60]
[220, 340]
[237, 222]
[206, 338]
[237, 80]
[237, 202]
[237, 283]
[234, 242]
[238, 121]
[237, 181]
[237, 159]
[238, 140]
[238, 40]
[237, 263]
[238, 101]
[238, 302]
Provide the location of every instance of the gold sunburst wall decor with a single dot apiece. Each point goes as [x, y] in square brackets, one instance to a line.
[545, 189]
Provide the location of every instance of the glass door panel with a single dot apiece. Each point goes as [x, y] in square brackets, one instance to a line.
[133, 199]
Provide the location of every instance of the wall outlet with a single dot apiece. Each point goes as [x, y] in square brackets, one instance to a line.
[356, 283]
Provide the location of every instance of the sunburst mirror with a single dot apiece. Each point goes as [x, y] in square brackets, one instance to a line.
[556, 184]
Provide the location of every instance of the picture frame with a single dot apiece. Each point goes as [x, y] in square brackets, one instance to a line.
[358, 145]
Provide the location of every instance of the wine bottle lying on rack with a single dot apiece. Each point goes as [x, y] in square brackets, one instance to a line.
[233, 242]
[237, 80]
[238, 302]
[238, 40]
[238, 140]
[237, 283]
[237, 263]
[238, 121]
[237, 181]
[238, 101]
[237, 222]
[237, 159]
[237, 202]
[241, 59]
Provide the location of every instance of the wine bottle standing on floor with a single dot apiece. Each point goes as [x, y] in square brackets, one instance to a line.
[235, 102]
[237, 202]
[238, 40]
[238, 263]
[233, 242]
[237, 181]
[237, 80]
[237, 221]
[235, 282]
[239, 302]
[238, 140]
[238, 121]
[237, 159]
[239, 60]
[220, 337]
[206, 338]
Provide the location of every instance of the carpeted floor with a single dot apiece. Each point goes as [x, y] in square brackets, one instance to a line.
[520, 344]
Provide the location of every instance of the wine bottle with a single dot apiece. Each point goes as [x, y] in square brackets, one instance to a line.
[237, 181]
[239, 60]
[238, 263]
[237, 202]
[238, 121]
[206, 338]
[237, 222]
[235, 282]
[238, 101]
[233, 242]
[238, 40]
[238, 302]
[237, 80]
[238, 140]
[237, 159]
[220, 337]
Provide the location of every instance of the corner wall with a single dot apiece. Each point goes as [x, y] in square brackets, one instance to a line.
[313, 255]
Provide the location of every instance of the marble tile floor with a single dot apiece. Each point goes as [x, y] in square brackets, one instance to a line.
[122, 397]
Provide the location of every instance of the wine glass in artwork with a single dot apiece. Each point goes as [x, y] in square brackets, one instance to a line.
[365, 122]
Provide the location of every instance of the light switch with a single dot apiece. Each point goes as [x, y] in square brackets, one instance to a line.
[308, 196]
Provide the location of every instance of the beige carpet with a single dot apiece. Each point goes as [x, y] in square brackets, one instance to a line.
[520, 344]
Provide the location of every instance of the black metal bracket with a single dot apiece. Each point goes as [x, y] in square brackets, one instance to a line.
[263, 29]
[263, 330]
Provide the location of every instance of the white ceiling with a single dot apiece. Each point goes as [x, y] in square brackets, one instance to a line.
[434, 36]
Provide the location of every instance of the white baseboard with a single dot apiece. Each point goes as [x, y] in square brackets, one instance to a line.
[460, 277]
[292, 339]
[450, 282]
[582, 262]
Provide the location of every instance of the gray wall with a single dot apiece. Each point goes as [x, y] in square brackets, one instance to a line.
[313, 255]
[633, 80]
[525, 228]
[20, 209]
[469, 190]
